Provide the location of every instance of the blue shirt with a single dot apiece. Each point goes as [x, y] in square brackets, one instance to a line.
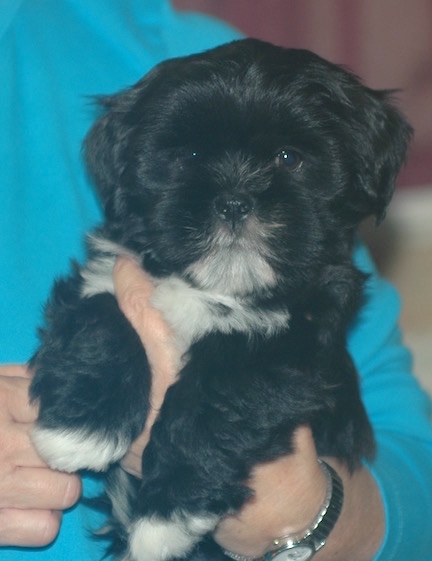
[53, 57]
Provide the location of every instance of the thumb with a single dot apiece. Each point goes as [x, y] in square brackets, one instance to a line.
[134, 289]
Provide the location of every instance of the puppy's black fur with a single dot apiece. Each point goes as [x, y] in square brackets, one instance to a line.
[237, 178]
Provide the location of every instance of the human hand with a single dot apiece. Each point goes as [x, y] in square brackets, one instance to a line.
[133, 291]
[288, 494]
[32, 496]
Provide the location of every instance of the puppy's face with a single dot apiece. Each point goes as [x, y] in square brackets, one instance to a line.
[246, 167]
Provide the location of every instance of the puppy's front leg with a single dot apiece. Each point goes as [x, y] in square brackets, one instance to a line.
[216, 423]
[187, 487]
[91, 381]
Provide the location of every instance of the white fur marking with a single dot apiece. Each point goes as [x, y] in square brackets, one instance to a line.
[193, 312]
[97, 275]
[156, 539]
[232, 269]
[236, 264]
[71, 450]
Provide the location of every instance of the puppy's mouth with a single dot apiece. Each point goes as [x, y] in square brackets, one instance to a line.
[238, 257]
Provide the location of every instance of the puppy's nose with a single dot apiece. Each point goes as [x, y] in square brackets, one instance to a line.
[233, 208]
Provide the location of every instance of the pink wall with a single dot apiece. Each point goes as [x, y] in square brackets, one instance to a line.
[387, 42]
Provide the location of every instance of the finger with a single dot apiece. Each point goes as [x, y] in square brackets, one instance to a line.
[39, 488]
[14, 400]
[134, 289]
[28, 528]
[17, 449]
[132, 462]
[15, 370]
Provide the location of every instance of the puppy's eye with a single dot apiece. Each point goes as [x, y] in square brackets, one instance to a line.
[290, 159]
[190, 155]
[186, 158]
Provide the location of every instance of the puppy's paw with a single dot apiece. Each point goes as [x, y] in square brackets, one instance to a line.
[73, 449]
[159, 539]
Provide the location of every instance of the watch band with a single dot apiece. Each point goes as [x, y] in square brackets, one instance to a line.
[315, 536]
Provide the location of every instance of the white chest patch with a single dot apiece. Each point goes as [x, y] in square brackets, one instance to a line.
[191, 312]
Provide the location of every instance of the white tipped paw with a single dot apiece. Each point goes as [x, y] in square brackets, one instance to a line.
[72, 449]
[157, 539]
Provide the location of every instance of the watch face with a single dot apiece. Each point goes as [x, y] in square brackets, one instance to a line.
[301, 552]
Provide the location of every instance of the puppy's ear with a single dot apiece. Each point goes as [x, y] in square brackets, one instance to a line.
[376, 141]
[381, 148]
[104, 148]
[107, 147]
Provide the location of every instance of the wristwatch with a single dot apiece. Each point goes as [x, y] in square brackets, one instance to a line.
[303, 547]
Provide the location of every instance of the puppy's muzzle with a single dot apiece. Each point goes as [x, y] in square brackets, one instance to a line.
[233, 208]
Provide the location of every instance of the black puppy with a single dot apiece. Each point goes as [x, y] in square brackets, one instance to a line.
[237, 179]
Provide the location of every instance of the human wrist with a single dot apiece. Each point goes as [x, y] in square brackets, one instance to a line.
[306, 543]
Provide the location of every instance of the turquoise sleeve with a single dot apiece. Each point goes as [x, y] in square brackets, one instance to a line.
[400, 414]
